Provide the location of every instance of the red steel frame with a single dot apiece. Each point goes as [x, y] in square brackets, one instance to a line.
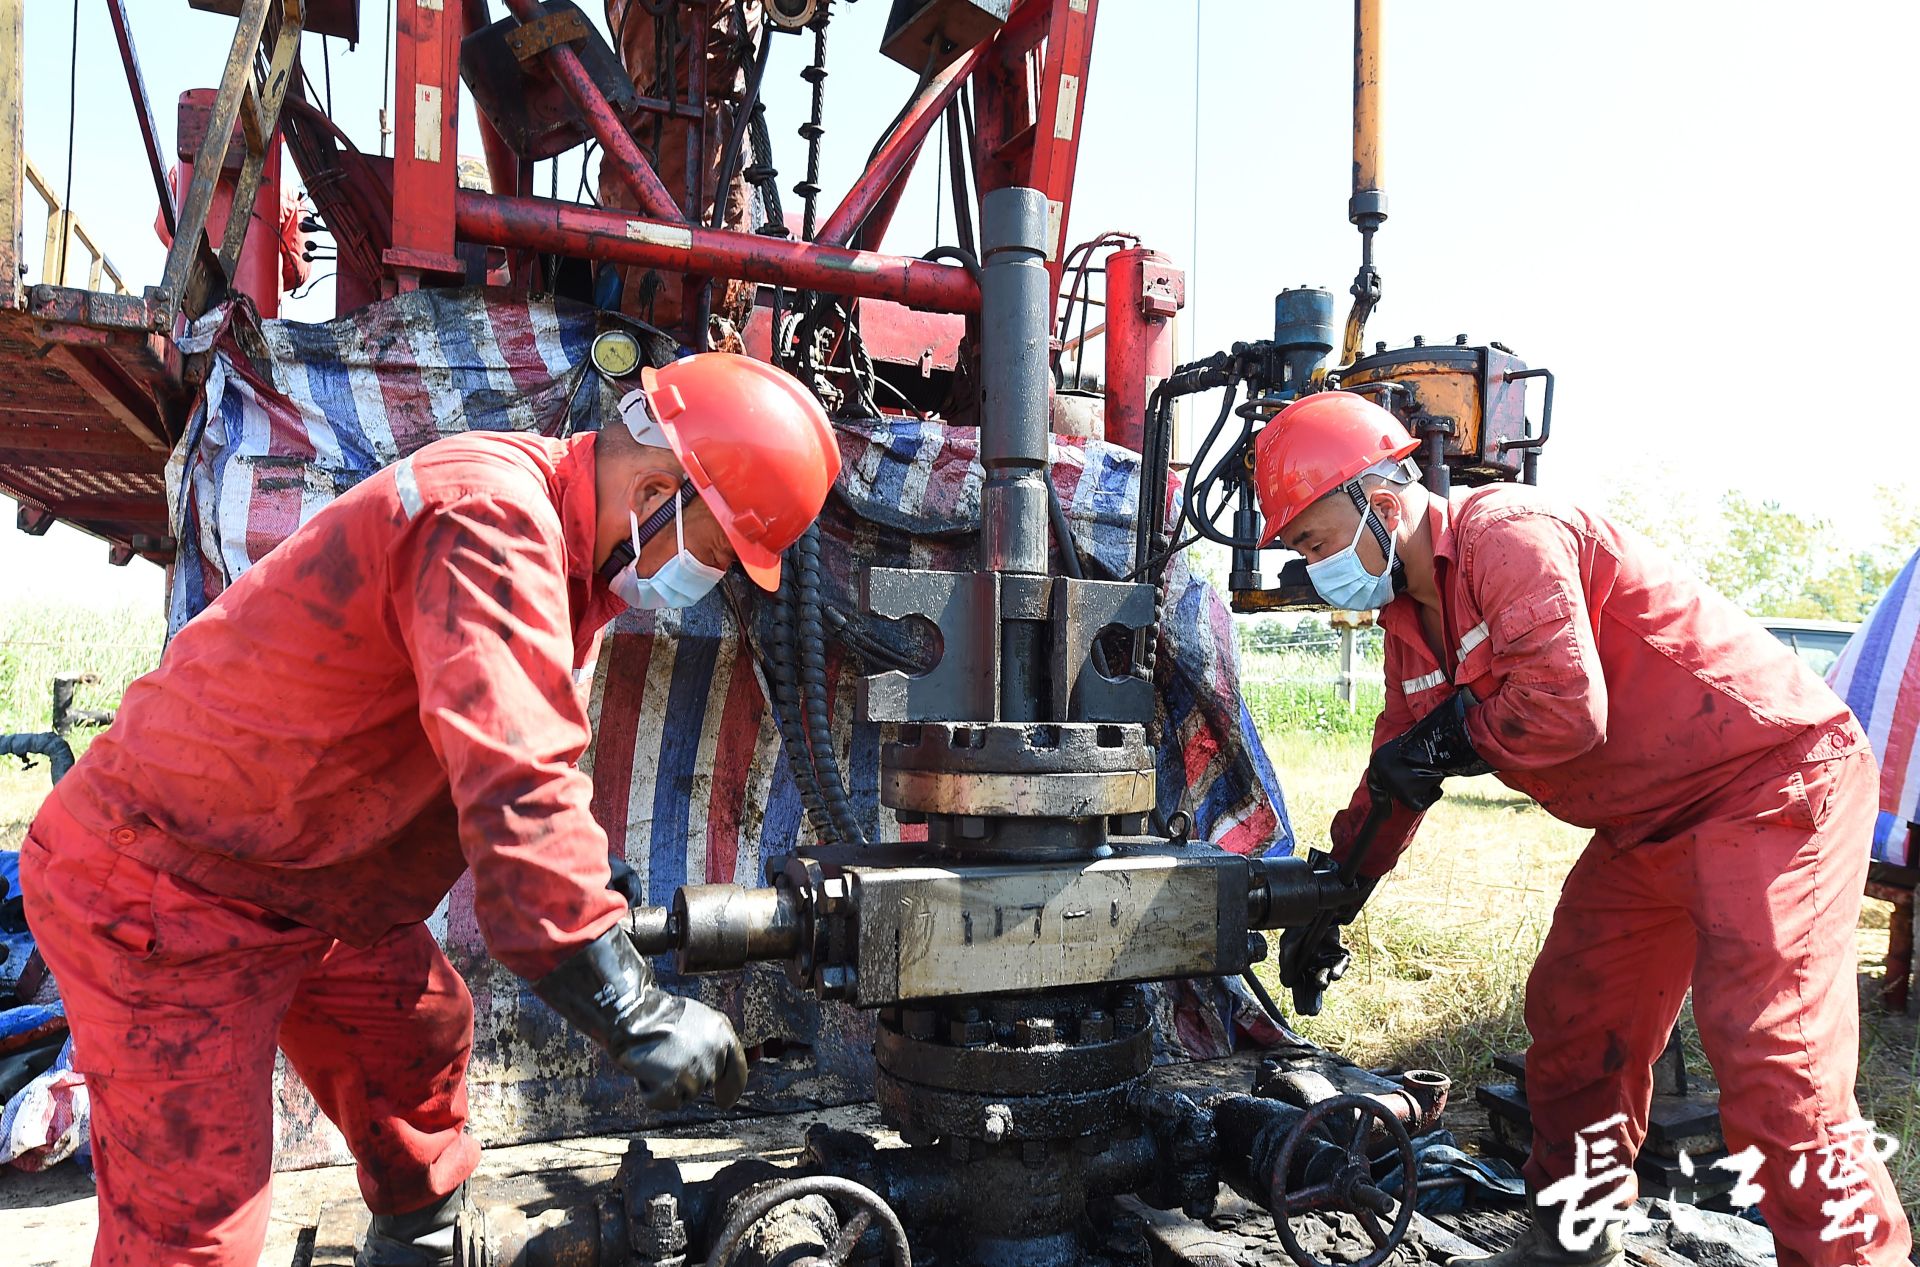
[426, 98]
[1030, 86]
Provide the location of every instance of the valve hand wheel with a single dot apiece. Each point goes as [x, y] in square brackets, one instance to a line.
[1329, 1146]
[857, 1206]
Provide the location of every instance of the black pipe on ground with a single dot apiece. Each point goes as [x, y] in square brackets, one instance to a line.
[45, 744]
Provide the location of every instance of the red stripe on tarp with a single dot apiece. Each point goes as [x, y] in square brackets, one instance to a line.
[1067, 477]
[947, 478]
[627, 656]
[1900, 734]
[1198, 747]
[512, 326]
[403, 390]
[732, 768]
[273, 509]
[1253, 833]
[287, 432]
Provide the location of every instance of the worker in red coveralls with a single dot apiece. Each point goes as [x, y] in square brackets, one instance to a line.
[1731, 796]
[244, 860]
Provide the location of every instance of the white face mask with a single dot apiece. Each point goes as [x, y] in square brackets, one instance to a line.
[681, 581]
[1343, 580]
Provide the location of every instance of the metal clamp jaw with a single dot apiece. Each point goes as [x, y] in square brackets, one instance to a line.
[888, 924]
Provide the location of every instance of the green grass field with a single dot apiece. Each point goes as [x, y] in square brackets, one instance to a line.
[1440, 955]
[36, 644]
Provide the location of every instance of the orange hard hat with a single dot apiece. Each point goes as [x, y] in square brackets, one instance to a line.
[1314, 446]
[756, 446]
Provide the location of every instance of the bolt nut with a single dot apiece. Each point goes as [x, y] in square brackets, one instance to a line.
[1034, 1031]
[996, 1123]
[1096, 1027]
[1256, 948]
[920, 1023]
[969, 1033]
[971, 827]
[662, 1211]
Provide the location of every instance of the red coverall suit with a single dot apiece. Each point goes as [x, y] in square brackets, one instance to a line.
[244, 860]
[1732, 799]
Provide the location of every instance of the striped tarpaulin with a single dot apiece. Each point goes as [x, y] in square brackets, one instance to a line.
[1879, 676]
[690, 777]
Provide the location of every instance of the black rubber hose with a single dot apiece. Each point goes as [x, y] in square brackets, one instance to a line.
[742, 120]
[959, 255]
[1193, 508]
[815, 718]
[1267, 1004]
[783, 682]
[46, 744]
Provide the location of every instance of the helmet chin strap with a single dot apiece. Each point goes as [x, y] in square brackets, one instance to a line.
[649, 528]
[1381, 537]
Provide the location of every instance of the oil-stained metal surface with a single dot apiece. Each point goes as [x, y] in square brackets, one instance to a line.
[1081, 610]
[964, 607]
[1094, 794]
[1467, 395]
[930, 931]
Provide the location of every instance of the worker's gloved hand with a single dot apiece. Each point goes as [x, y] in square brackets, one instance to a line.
[1308, 970]
[626, 882]
[1357, 892]
[675, 1048]
[1412, 766]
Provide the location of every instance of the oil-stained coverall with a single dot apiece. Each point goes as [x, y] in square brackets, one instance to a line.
[215, 879]
[1731, 796]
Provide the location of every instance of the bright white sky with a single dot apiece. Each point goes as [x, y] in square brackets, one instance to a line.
[1685, 210]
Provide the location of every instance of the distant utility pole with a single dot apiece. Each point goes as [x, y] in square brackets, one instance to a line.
[1349, 623]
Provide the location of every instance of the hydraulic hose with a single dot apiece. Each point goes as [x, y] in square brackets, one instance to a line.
[46, 744]
[783, 681]
[814, 694]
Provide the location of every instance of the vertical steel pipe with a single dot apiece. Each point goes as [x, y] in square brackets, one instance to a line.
[1139, 346]
[1366, 100]
[1014, 322]
[1016, 298]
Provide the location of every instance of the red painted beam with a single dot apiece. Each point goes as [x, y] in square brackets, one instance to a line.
[890, 165]
[143, 111]
[542, 224]
[618, 150]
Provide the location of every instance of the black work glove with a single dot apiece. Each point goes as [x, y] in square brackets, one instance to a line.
[1308, 970]
[626, 882]
[675, 1048]
[1434, 748]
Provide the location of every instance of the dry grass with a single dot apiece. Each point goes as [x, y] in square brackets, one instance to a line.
[1442, 952]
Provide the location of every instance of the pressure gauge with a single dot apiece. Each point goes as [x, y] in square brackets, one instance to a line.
[616, 353]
